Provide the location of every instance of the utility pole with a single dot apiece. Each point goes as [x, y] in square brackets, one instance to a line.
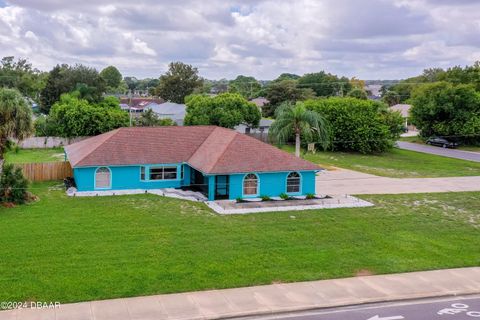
[130, 105]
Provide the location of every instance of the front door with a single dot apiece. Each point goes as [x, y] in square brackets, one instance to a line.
[221, 187]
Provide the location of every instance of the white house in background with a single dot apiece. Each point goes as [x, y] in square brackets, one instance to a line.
[374, 90]
[169, 110]
[404, 110]
[263, 127]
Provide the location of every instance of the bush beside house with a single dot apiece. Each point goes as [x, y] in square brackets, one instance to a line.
[75, 117]
[363, 126]
[13, 185]
[225, 110]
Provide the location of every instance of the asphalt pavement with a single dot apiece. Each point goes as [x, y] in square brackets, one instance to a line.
[445, 152]
[457, 308]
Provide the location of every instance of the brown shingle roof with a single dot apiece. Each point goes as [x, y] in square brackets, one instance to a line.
[210, 149]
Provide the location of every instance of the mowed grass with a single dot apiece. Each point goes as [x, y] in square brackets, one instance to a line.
[398, 163]
[76, 249]
[34, 155]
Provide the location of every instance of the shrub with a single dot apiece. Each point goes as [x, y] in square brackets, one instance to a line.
[44, 127]
[363, 126]
[310, 196]
[225, 110]
[74, 117]
[13, 185]
[265, 198]
[239, 199]
[444, 109]
[284, 196]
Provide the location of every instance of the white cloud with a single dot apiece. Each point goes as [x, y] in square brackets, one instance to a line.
[369, 39]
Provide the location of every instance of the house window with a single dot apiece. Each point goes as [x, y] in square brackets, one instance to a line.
[103, 178]
[293, 182]
[142, 173]
[182, 172]
[163, 173]
[250, 184]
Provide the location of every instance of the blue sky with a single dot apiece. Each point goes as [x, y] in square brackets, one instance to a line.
[371, 39]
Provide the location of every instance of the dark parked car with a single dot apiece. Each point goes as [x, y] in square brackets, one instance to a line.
[442, 142]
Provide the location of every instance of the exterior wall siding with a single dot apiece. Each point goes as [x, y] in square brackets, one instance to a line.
[128, 177]
[272, 184]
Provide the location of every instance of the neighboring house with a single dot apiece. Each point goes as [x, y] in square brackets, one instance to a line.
[219, 162]
[404, 110]
[263, 127]
[138, 105]
[260, 101]
[170, 110]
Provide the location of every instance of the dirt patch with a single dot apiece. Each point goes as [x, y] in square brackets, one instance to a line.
[363, 273]
[8, 204]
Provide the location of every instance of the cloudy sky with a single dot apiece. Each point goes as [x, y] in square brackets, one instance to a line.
[370, 39]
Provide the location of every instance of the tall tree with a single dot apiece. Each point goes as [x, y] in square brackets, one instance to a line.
[22, 76]
[296, 121]
[358, 93]
[246, 86]
[15, 117]
[178, 82]
[325, 84]
[287, 76]
[131, 82]
[64, 79]
[278, 92]
[112, 77]
[225, 110]
[391, 98]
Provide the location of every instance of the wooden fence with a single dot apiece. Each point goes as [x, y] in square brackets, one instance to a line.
[45, 171]
[262, 136]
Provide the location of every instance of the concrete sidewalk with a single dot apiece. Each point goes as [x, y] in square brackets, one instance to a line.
[267, 299]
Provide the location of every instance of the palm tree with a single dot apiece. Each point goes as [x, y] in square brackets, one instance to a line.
[15, 118]
[296, 120]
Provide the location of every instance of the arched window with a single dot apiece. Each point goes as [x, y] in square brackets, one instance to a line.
[103, 178]
[293, 182]
[250, 185]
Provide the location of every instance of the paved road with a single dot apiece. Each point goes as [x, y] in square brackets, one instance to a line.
[451, 153]
[343, 181]
[458, 308]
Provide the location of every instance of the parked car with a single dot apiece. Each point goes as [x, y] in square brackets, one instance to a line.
[442, 142]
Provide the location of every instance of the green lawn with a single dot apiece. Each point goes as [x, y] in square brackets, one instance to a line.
[398, 163]
[75, 249]
[34, 155]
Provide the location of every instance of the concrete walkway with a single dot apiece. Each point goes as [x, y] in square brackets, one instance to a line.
[266, 299]
[343, 181]
[451, 153]
[231, 207]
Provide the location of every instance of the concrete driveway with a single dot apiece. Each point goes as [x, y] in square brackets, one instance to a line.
[451, 153]
[343, 181]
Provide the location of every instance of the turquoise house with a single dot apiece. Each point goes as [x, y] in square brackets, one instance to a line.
[221, 163]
